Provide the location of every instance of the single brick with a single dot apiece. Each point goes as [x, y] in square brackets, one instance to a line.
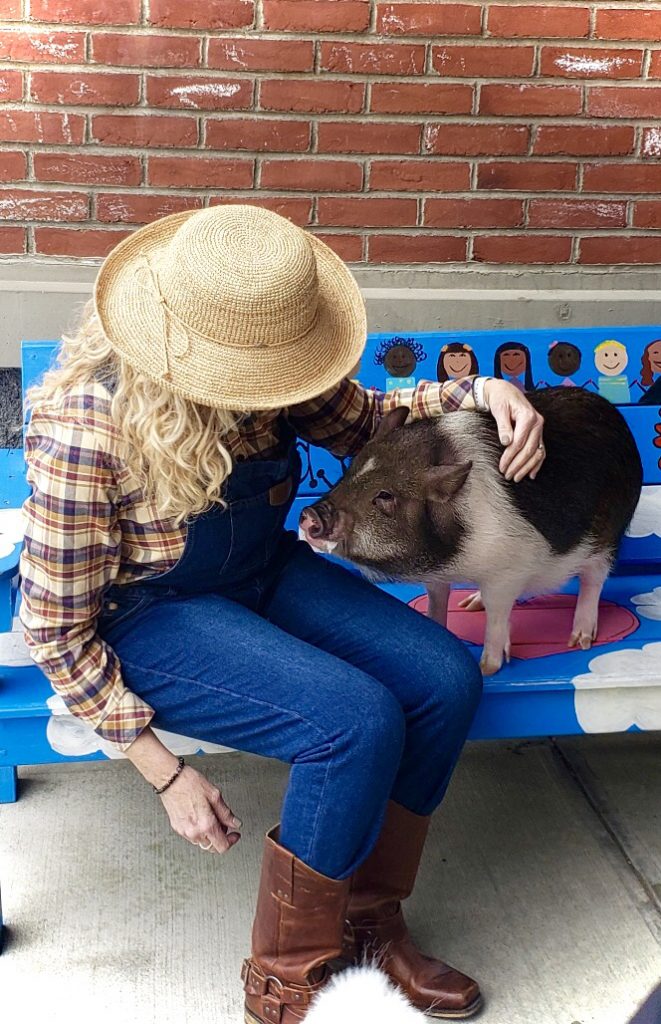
[373, 58]
[347, 247]
[414, 98]
[41, 126]
[513, 21]
[576, 213]
[200, 172]
[202, 14]
[24, 204]
[476, 139]
[590, 62]
[536, 100]
[312, 175]
[623, 178]
[80, 88]
[11, 86]
[86, 12]
[77, 241]
[655, 64]
[421, 248]
[367, 213]
[241, 54]
[618, 101]
[428, 19]
[483, 61]
[368, 137]
[651, 147]
[297, 209]
[419, 176]
[584, 140]
[87, 169]
[316, 15]
[12, 240]
[528, 248]
[473, 213]
[647, 214]
[194, 92]
[311, 95]
[628, 24]
[146, 51]
[259, 135]
[143, 130]
[13, 165]
[604, 249]
[529, 176]
[12, 10]
[127, 208]
[42, 47]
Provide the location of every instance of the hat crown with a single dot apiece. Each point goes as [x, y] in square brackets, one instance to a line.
[241, 275]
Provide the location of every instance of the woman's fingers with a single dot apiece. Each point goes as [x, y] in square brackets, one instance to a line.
[529, 458]
[225, 813]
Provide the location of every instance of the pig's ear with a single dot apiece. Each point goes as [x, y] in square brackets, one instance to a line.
[393, 420]
[442, 482]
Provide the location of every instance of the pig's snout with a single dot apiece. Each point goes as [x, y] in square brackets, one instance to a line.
[323, 526]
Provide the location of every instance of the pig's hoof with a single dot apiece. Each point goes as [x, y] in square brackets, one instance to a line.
[582, 638]
[490, 664]
[473, 603]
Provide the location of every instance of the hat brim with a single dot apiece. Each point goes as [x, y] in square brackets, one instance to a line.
[223, 376]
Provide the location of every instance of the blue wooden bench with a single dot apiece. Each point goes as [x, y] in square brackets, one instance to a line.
[546, 689]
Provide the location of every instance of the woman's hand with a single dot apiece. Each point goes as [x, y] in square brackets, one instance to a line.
[519, 428]
[198, 812]
[195, 808]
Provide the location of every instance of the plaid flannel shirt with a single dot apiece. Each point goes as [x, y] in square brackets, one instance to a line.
[87, 525]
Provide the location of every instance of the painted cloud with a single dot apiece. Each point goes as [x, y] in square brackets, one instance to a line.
[13, 648]
[646, 521]
[648, 604]
[621, 689]
[69, 736]
[12, 529]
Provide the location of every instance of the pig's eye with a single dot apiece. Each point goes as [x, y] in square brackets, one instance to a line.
[385, 501]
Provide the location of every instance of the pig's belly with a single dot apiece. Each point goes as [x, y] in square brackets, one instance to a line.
[533, 568]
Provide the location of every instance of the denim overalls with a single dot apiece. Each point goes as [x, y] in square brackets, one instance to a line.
[254, 642]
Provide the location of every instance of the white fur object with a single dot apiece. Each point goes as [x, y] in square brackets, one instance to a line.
[362, 994]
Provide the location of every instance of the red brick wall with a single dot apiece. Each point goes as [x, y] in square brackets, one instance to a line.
[487, 132]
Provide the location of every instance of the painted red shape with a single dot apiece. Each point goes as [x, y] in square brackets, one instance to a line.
[540, 626]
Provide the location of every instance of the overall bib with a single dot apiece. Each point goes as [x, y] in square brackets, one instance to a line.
[253, 641]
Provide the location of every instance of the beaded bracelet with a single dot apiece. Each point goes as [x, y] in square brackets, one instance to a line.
[180, 765]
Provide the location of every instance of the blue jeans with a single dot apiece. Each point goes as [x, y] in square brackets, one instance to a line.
[366, 699]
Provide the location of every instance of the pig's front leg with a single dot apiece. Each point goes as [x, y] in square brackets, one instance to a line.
[437, 607]
[498, 602]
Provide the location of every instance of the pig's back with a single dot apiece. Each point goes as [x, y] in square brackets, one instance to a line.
[589, 484]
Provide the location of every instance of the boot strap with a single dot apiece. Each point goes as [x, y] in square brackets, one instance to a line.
[257, 983]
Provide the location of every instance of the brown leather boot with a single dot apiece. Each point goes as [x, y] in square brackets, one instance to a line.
[297, 930]
[375, 923]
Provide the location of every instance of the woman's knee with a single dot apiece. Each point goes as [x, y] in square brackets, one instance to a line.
[372, 728]
[454, 681]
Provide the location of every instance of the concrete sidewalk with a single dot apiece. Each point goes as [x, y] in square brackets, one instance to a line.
[542, 877]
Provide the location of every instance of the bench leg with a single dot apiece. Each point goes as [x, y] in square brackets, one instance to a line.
[8, 784]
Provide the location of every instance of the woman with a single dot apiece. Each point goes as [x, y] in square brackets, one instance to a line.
[159, 587]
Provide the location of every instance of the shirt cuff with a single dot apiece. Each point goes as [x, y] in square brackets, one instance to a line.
[126, 721]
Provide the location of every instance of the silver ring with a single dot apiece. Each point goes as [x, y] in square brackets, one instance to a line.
[205, 847]
[540, 447]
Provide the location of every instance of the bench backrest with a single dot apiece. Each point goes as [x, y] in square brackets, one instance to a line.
[623, 363]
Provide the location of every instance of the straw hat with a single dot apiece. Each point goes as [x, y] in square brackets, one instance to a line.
[233, 307]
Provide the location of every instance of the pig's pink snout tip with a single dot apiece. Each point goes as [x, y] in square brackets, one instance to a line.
[311, 523]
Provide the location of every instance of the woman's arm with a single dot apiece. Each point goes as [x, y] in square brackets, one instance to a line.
[71, 552]
[345, 418]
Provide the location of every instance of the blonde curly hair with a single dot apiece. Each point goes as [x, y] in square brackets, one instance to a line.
[171, 445]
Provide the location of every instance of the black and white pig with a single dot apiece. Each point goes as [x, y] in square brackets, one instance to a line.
[427, 503]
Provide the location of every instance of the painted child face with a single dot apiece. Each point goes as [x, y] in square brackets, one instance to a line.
[611, 360]
[564, 359]
[513, 362]
[457, 364]
[400, 361]
[654, 355]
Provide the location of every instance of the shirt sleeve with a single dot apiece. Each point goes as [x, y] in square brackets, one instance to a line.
[346, 417]
[70, 553]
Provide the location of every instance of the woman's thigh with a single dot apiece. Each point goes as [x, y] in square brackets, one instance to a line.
[214, 669]
[333, 609]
